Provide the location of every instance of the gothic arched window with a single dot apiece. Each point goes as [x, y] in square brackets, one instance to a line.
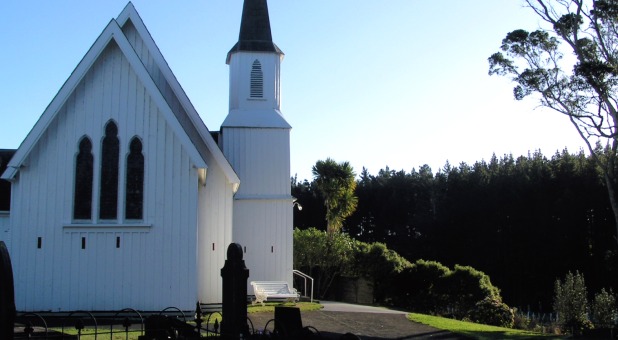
[108, 203]
[134, 200]
[257, 80]
[82, 199]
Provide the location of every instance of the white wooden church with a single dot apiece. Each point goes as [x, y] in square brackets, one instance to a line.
[122, 197]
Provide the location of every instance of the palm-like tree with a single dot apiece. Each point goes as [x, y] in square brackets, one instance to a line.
[336, 183]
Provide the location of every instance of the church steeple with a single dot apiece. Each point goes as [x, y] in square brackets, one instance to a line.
[255, 139]
[255, 35]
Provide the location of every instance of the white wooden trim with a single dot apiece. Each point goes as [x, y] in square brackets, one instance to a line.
[111, 31]
[153, 90]
[108, 227]
[129, 12]
[264, 197]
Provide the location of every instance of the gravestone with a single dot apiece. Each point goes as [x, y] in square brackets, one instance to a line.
[234, 308]
[7, 295]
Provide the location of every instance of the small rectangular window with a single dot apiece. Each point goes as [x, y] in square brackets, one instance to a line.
[83, 243]
[39, 242]
[117, 241]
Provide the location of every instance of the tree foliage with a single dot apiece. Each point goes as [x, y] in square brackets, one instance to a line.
[465, 286]
[571, 303]
[420, 287]
[336, 183]
[583, 84]
[604, 309]
[521, 220]
[323, 256]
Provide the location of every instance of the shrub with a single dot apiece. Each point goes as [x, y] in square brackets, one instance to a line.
[492, 311]
[323, 256]
[522, 321]
[604, 309]
[419, 287]
[465, 286]
[379, 264]
[571, 303]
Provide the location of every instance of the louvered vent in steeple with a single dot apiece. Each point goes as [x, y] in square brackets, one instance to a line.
[257, 80]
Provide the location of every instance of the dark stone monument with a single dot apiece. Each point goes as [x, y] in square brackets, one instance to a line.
[288, 322]
[7, 295]
[235, 275]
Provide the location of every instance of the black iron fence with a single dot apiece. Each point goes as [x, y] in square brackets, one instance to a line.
[168, 324]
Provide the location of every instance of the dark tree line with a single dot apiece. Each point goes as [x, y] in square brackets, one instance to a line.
[524, 222]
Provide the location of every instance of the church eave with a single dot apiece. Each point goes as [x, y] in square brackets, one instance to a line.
[254, 46]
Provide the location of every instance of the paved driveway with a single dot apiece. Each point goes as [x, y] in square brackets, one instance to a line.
[367, 322]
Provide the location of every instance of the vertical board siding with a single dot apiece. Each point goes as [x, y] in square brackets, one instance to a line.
[157, 262]
[261, 231]
[214, 226]
[263, 207]
[5, 229]
[164, 87]
[261, 158]
[214, 201]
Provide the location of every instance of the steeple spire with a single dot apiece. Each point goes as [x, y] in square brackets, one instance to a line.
[255, 35]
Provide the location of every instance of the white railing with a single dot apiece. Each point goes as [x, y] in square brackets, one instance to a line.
[305, 277]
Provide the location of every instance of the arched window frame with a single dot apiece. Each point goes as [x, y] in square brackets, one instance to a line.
[256, 86]
[134, 181]
[84, 180]
[110, 161]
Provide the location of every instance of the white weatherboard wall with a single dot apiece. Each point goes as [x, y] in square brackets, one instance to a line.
[215, 194]
[216, 190]
[214, 234]
[5, 230]
[157, 257]
[263, 203]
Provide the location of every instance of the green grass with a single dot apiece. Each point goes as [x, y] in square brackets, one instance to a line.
[102, 334]
[477, 331]
[270, 306]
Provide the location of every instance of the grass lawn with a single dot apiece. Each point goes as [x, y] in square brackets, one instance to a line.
[477, 331]
[102, 333]
[270, 306]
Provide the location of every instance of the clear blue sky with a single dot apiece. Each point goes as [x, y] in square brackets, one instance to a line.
[385, 82]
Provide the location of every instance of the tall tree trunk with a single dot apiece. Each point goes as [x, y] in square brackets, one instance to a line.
[613, 201]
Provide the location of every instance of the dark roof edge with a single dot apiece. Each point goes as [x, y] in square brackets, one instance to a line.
[255, 34]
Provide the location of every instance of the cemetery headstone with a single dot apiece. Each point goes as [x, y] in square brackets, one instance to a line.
[234, 274]
[7, 295]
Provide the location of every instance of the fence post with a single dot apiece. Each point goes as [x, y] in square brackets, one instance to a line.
[7, 295]
[235, 275]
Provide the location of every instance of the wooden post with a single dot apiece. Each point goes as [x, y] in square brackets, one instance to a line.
[7, 295]
[235, 275]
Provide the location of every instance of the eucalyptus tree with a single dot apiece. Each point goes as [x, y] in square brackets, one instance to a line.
[336, 184]
[582, 87]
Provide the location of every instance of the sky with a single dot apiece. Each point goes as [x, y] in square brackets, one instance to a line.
[397, 83]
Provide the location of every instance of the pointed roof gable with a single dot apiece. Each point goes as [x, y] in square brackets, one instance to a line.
[255, 34]
[185, 123]
[188, 116]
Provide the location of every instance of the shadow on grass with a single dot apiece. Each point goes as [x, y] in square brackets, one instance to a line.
[491, 335]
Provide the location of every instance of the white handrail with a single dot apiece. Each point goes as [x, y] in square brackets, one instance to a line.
[305, 277]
